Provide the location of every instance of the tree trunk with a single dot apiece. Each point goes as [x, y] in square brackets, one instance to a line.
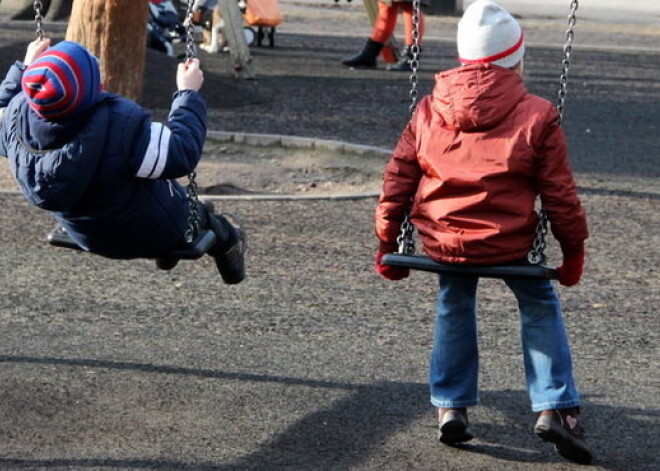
[115, 31]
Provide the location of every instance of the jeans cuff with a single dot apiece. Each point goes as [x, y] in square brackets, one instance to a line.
[551, 405]
[454, 404]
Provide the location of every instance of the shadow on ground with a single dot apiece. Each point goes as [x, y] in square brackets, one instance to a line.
[341, 435]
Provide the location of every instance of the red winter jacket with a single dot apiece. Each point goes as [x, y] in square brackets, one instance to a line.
[475, 155]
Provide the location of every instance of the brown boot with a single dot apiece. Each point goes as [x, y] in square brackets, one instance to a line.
[452, 426]
[562, 427]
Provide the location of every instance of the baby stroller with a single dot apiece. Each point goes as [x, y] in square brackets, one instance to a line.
[260, 19]
[264, 15]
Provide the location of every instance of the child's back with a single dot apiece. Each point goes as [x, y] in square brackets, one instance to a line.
[101, 167]
[477, 153]
[468, 167]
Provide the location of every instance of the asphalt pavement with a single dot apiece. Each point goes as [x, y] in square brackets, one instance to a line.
[314, 362]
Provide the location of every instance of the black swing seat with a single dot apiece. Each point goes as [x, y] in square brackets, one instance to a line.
[425, 263]
[187, 251]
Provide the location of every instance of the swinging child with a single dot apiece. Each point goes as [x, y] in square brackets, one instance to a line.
[98, 164]
[474, 157]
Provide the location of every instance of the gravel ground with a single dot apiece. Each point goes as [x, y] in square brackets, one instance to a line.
[314, 362]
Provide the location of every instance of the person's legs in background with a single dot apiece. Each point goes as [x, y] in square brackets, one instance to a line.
[382, 30]
[406, 55]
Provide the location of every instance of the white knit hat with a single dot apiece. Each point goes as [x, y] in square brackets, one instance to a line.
[488, 34]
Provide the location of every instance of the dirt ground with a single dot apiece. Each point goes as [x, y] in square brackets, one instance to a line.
[230, 169]
[314, 362]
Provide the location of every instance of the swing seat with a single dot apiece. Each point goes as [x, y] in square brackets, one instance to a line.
[187, 251]
[425, 263]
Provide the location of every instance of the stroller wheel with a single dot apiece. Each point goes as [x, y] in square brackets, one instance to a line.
[260, 36]
[271, 37]
[250, 35]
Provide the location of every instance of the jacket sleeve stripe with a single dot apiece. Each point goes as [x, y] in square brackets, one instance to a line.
[155, 157]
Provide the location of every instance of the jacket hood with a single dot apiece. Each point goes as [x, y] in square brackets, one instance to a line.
[476, 97]
[54, 163]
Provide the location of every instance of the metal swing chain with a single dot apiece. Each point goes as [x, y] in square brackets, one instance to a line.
[414, 50]
[193, 200]
[537, 255]
[38, 18]
[405, 240]
[566, 63]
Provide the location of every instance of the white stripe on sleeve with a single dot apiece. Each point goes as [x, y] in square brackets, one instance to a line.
[155, 158]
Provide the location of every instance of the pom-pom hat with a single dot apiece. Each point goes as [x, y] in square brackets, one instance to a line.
[62, 82]
[488, 34]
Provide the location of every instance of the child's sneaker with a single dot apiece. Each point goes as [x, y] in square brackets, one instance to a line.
[563, 428]
[453, 426]
[231, 262]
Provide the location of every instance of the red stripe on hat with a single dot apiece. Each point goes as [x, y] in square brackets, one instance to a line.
[70, 92]
[495, 57]
[49, 91]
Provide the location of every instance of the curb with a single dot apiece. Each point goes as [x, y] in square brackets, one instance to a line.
[297, 142]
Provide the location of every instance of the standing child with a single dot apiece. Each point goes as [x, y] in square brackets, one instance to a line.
[100, 166]
[469, 166]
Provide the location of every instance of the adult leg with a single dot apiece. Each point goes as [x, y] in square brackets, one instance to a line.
[408, 26]
[382, 30]
[403, 65]
[385, 22]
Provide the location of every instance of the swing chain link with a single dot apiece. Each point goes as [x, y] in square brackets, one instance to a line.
[414, 50]
[38, 18]
[536, 255]
[405, 240]
[190, 32]
[193, 208]
[193, 200]
[566, 63]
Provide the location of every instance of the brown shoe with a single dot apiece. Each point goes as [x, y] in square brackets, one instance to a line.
[563, 428]
[453, 426]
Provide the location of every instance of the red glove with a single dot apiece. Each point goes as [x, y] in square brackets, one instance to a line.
[389, 272]
[570, 272]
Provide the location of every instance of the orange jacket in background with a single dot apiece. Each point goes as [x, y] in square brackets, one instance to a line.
[473, 159]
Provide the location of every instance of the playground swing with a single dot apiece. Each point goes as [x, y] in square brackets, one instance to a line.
[198, 241]
[536, 258]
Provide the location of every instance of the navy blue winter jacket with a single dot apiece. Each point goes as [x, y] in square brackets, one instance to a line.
[106, 176]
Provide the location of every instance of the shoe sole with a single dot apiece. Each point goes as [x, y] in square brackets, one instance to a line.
[453, 432]
[565, 444]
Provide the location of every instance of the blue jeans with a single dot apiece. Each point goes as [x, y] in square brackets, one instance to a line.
[454, 365]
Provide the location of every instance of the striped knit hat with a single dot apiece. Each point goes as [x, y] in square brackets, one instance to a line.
[488, 34]
[62, 82]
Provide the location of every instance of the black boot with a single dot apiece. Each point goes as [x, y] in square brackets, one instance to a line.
[403, 65]
[366, 57]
